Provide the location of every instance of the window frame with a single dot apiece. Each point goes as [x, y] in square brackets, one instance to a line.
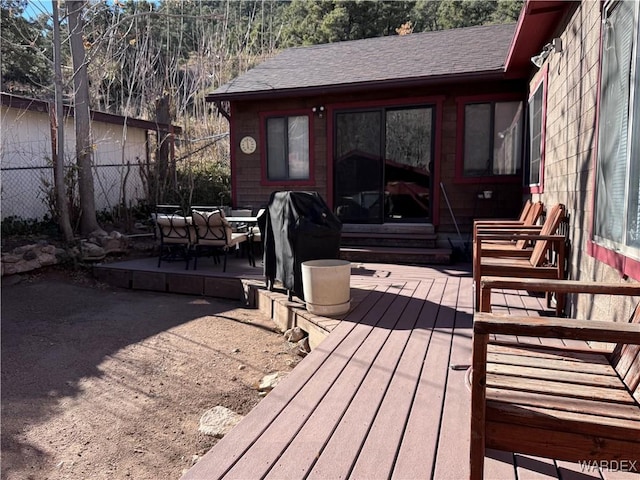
[437, 100]
[541, 82]
[462, 103]
[621, 257]
[264, 161]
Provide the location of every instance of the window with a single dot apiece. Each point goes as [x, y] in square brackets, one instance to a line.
[492, 139]
[536, 137]
[617, 217]
[288, 148]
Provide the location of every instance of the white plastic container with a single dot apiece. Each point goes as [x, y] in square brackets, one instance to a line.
[326, 285]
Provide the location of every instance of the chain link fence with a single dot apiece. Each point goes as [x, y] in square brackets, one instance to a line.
[28, 192]
[120, 165]
[124, 171]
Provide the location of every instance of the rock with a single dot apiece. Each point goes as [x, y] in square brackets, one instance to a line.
[303, 347]
[114, 242]
[21, 250]
[27, 266]
[62, 255]
[49, 249]
[218, 421]
[98, 233]
[30, 255]
[41, 254]
[47, 259]
[91, 251]
[270, 381]
[294, 334]
[10, 258]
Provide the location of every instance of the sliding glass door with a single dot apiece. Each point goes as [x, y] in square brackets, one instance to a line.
[382, 165]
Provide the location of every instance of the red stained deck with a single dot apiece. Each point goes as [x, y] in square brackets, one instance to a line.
[383, 396]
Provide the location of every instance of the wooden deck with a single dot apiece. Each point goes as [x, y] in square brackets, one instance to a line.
[385, 395]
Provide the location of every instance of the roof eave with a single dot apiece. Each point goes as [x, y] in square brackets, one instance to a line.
[536, 24]
[487, 75]
[32, 104]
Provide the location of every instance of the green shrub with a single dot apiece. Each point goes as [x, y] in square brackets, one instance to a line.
[17, 226]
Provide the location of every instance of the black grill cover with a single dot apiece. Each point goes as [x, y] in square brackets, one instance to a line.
[299, 227]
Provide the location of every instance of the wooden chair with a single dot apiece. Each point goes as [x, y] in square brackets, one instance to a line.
[557, 402]
[538, 262]
[530, 214]
[526, 224]
[523, 245]
[213, 232]
[176, 237]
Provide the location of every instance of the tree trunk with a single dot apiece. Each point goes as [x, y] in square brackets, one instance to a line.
[84, 146]
[57, 134]
[165, 172]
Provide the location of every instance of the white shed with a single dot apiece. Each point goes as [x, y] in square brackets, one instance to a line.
[121, 149]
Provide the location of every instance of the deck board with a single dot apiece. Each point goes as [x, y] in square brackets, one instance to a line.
[341, 451]
[385, 433]
[378, 397]
[418, 450]
[454, 434]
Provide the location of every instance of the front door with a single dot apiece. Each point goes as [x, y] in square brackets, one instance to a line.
[382, 164]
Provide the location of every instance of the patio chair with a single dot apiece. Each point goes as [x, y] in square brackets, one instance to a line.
[176, 237]
[256, 230]
[526, 209]
[530, 214]
[523, 245]
[214, 233]
[545, 261]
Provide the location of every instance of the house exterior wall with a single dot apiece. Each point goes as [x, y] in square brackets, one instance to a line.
[571, 148]
[27, 172]
[250, 190]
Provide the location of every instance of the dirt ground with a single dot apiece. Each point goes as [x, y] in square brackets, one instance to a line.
[104, 383]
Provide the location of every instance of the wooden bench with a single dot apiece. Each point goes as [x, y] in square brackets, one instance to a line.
[556, 402]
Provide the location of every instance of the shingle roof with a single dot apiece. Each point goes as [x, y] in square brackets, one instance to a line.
[443, 53]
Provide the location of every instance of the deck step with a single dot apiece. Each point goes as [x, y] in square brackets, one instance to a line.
[398, 235]
[401, 255]
[397, 228]
[393, 240]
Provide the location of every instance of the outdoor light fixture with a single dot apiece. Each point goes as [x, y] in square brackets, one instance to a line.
[554, 46]
[319, 110]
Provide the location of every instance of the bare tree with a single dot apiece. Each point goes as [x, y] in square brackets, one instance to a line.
[82, 118]
[62, 206]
